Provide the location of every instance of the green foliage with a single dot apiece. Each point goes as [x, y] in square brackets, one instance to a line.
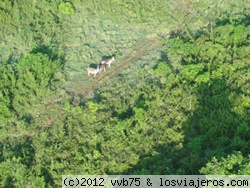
[26, 24]
[5, 16]
[162, 69]
[190, 72]
[7, 82]
[38, 68]
[34, 76]
[211, 70]
[13, 173]
[232, 164]
[177, 105]
[66, 8]
[93, 107]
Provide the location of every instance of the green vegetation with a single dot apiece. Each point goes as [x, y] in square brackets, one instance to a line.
[175, 101]
[66, 8]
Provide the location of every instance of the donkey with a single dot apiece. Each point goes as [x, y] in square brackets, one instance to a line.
[102, 67]
[108, 61]
[93, 71]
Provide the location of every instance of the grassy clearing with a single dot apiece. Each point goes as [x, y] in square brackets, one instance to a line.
[92, 38]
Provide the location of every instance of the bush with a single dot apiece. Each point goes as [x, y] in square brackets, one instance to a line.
[66, 8]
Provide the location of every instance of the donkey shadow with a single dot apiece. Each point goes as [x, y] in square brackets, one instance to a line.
[94, 65]
[107, 56]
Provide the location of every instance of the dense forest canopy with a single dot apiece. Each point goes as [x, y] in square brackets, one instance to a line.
[176, 100]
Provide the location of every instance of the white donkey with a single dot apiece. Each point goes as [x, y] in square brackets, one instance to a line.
[93, 71]
[108, 61]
